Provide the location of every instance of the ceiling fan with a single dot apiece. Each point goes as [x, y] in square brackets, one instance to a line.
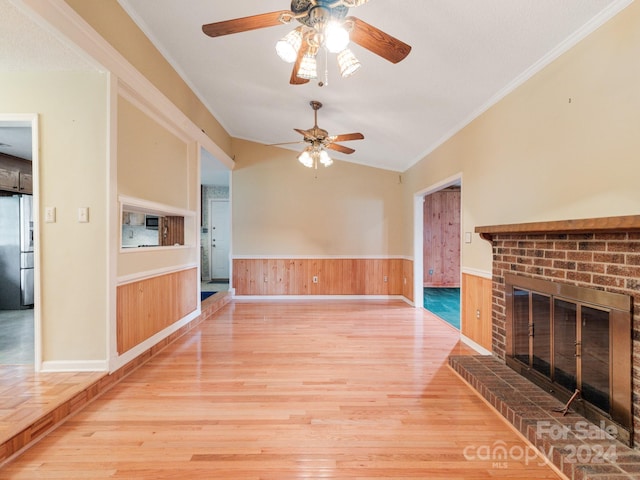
[324, 24]
[319, 140]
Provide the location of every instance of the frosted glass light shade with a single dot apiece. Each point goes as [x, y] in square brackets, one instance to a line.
[305, 159]
[348, 63]
[287, 48]
[325, 159]
[308, 67]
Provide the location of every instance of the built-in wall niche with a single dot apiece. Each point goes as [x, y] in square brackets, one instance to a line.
[151, 225]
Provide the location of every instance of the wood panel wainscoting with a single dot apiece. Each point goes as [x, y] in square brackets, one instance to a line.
[335, 276]
[476, 309]
[407, 274]
[147, 306]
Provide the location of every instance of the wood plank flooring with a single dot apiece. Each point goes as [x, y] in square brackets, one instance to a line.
[284, 390]
[26, 397]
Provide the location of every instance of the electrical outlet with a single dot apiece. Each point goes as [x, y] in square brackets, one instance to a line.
[315, 279]
[478, 314]
[386, 279]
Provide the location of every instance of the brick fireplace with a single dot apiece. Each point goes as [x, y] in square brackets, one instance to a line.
[601, 254]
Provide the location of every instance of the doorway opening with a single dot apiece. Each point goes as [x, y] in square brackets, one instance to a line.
[437, 250]
[18, 240]
[215, 230]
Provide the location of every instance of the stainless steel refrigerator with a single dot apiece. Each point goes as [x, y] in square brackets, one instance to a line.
[16, 252]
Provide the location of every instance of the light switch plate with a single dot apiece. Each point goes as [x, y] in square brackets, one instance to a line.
[83, 214]
[50, 214]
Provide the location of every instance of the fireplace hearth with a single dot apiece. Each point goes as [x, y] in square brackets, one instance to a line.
[573, 341]
[599, 254]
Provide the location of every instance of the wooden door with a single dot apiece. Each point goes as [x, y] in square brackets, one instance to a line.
[441, 241]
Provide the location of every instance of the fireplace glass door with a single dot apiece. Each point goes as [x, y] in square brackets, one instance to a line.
[568, 338]
[532, 330]
[565, 341]
[595, 354]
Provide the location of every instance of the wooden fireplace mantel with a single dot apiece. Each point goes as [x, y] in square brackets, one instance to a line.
[583, 225]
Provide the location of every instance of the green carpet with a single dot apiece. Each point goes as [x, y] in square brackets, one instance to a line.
[445, 303]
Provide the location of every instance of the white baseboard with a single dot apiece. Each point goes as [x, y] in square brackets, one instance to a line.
[139, 349]
[75, 366]
[478, 348]
[316, 297]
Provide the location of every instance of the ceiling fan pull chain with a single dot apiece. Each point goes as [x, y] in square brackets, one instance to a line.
[326, 69]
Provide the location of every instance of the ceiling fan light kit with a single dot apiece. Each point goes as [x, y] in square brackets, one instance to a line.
[311, 156]
[319, 141]
[324, 24]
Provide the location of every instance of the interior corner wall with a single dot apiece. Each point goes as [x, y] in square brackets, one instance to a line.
[72, 109]
[110, 20]
[561, 146]
[281, 208]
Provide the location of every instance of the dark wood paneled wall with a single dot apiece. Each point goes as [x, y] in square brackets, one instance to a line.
[441, 241]
[148, 306]
[172, 231]
[340, 276]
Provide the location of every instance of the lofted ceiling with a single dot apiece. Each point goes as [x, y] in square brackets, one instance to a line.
[466, 55]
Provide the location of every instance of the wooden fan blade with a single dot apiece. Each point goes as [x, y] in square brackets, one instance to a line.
[377, 41]
[340, 148]
[285, 143]
[304, 133]
[243, 24]
[345, 137]
[295, 79]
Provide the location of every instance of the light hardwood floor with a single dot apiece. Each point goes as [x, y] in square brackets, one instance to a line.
[284, 390]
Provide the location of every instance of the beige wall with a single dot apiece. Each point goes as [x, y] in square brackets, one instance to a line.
[158, 165]
[153, 163]
[73, 167]
[564, 145]
[109, 19]
[281, 207]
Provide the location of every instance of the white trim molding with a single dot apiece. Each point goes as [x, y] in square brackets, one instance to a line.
[477, 273]
[477, 347]
[135, 277]
[320, 257]
[252, 298]
[75, 366]
[150, 342]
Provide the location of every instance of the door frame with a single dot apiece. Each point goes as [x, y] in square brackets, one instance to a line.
[418, 233]
[31, 120]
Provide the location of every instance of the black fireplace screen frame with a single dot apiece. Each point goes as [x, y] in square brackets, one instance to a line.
[619, 307]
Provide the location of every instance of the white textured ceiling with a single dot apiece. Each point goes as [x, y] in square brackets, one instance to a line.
[27, 45]
[466, 55]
